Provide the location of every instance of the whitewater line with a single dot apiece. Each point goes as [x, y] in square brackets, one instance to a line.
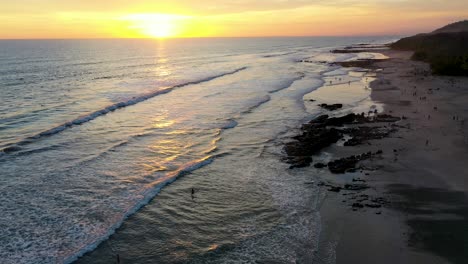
[84, 119]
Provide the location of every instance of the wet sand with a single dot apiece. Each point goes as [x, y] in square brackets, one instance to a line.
[414, 208]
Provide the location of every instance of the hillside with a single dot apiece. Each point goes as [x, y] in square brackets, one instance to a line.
[461, 26]
[442, 43]
[446, 49]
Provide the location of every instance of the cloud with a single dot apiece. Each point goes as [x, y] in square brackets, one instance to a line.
[236, 18]
[213, 7]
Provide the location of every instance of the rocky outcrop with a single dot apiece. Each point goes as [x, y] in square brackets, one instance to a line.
[347, 164]
[324, 131]
[331, 107]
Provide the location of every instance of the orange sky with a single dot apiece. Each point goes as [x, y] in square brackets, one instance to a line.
[223, 18]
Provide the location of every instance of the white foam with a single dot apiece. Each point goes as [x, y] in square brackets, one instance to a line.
[146, 197]
[111, 108]
[69, 238]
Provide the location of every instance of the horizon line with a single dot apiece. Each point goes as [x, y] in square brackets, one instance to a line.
[211, 37]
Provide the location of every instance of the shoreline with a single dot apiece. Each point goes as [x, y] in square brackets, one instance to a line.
[378, 231]
[418, 181]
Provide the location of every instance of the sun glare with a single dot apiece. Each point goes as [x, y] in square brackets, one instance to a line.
[156, 25]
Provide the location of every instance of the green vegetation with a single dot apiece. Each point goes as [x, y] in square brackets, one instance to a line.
[419, 55]
[450, 65]
[446, 49]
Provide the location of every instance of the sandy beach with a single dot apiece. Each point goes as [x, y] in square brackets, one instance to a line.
[412, 207]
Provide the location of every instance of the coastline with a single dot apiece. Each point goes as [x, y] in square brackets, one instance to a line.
[419, 178]
[396, 188]
[379, 232]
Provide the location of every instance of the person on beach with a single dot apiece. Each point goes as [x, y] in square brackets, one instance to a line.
[193, 193]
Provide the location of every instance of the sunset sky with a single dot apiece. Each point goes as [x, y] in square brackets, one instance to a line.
[223, 18]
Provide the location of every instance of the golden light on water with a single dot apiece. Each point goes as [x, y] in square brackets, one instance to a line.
[163, 123]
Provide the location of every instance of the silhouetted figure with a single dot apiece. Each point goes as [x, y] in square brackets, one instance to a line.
[427, 142]
[118, 259]
[193, 193]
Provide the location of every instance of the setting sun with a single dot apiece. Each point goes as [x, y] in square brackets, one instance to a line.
[156, 25]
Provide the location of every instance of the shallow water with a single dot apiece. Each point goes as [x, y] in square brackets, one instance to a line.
[92, 130]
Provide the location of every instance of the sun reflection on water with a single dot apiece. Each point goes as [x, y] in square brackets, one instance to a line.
[162, 121]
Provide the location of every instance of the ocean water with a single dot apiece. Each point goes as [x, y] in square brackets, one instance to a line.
[93, 130]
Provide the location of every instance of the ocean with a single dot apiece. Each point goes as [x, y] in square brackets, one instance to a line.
[102, 137]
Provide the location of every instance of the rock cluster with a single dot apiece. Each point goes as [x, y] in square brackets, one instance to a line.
[324, 131]
[331, 107]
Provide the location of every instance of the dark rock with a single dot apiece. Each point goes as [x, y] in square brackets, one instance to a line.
[342, 165]
[331, 107]
[385, 118]
[373, 205]
[343, 120]
[364, 133]
[334, 189]
[379, 200]
[347, 164]
[358, 180]
[300, 161]
[357, 205]
[323, 131]
[320, 165]
[355, 187]
[309, 143]
[353, 142]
